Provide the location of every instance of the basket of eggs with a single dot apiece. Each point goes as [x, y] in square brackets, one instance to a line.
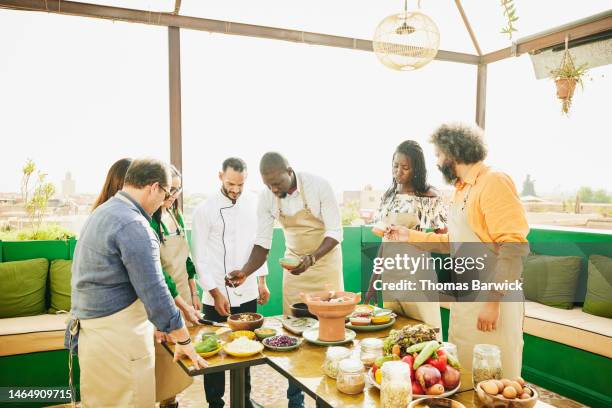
[506, 394]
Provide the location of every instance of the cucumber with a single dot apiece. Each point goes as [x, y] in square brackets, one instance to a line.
[415, 348]
[426, 352]
[453, 362]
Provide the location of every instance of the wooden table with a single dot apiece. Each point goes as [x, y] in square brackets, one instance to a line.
[303, 366]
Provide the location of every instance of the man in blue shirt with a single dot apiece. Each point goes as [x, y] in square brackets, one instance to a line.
[118, 290]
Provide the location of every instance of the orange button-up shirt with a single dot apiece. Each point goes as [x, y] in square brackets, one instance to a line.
[495, 214]
[494, 210]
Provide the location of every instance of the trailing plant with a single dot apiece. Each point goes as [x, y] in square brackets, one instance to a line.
[511, 17]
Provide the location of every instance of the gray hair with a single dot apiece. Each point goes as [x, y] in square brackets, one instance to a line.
[145, 172]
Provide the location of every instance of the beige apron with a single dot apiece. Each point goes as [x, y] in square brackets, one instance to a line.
[116, 358]
[170, 379]
[304, 233]
[174, 253]
[426, 311]
[463, 329]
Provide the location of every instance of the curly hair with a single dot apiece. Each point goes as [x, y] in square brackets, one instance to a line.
[460, 142]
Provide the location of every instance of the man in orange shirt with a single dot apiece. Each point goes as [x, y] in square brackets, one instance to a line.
[485, 208]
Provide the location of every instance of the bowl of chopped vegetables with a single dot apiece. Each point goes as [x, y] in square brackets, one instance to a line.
[245, 321]
[209, 346]
[282, 343]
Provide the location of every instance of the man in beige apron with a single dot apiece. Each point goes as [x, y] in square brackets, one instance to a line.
[117, 292]
[306, 208]
[485, 209]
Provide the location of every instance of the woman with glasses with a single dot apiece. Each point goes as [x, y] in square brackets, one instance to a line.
[168, 223]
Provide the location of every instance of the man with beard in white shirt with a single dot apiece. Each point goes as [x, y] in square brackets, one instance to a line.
[223, 232]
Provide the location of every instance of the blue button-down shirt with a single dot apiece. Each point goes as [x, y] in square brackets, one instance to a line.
[116, 261]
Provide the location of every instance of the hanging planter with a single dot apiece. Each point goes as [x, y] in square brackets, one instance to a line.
[566, 77]
[565, 87]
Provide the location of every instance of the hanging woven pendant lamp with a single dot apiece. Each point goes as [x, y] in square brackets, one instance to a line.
[406, 41]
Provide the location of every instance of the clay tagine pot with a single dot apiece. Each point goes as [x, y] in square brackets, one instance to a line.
[331, 308]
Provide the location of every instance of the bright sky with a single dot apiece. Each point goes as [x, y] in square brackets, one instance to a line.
[77, 94]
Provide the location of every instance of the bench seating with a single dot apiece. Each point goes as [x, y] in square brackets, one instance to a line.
[22, 335]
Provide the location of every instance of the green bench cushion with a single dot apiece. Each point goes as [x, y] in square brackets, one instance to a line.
[59, 285]
[23, 287]
[598, 300]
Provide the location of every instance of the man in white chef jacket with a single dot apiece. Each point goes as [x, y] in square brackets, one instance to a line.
[223, 233]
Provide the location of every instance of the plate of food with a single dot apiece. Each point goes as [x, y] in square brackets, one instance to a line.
[245, 321]
[208, 346]
[243, 347]
[297, 325]
[312, 336]
[282, 343]
[370, 318]
[437, 390]
[434, 371]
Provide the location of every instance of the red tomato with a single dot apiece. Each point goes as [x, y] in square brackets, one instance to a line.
[374, 369]
[439, 361]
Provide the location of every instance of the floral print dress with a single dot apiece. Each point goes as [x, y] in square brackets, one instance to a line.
[431, 211]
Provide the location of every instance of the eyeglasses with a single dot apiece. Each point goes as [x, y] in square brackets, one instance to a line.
[168, 193]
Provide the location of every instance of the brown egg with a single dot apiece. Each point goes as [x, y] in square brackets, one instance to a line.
[500, 386]
[517, 387]
[525, 396]
[506, 382]
[528, 391]
[509, 392]
[490, 387]
[520, 381]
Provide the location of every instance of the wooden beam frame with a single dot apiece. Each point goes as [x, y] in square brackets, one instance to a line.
[551, 38]
[468, 27]
[174, 79]
[214, 26]
[481, 95]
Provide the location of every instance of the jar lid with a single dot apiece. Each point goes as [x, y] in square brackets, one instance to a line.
[396, 367]
[338, 352]
[487, 349]
[371, 343]
[350, 365]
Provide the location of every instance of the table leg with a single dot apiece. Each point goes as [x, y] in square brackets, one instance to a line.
[237, 387]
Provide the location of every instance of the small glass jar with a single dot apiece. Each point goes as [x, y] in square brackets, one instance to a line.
[351, 378]
[486, 363]
[396, 387]
[371, 349]
[332, 358]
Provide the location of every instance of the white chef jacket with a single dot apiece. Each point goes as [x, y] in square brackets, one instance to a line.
[321, 201]
[208, 236]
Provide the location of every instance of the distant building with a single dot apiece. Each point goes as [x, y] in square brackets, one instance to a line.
[68, 186]
[367, 201]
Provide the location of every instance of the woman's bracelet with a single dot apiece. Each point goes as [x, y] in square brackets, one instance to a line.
[184, 343]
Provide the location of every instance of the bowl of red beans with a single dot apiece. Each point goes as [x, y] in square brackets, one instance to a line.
[281, 343]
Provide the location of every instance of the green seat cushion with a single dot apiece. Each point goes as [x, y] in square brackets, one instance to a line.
[59, 288]
[598, 300]
[551, 280]
[23, 287]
